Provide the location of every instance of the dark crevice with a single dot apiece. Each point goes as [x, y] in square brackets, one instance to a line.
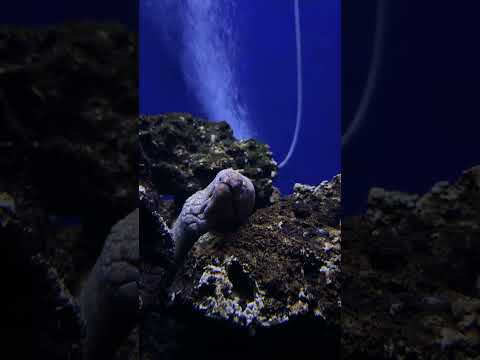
[243, 286]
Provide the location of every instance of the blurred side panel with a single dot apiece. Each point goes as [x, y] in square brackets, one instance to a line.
[411, 180]
[68, 161]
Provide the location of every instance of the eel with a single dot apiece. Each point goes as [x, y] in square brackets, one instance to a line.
[109, 301]
[225, 203]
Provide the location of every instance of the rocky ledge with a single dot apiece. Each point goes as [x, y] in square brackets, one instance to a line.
[279, 266]
[270, 288]
[181, 154]
[412, 274]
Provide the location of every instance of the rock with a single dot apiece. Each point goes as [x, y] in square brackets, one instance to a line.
[157, 269]
[157, 250]
[456, 205]
[68, 166]
[57, 323]
[181, 154]
[39, 311]
[411, 266]
[7, 208]
[320, 204]
[269, 288]
[68, 137]
[130, 349]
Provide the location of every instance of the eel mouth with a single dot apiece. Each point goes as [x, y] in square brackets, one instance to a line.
[225, 203]
[236, 191]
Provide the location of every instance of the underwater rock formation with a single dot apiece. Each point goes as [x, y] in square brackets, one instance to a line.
[277, 277]
[68, 135]
[58, 321]
[38, 310]
[411, 266]
[181, 155]
[68, 170]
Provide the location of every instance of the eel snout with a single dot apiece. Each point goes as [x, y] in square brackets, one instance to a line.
[232, 200]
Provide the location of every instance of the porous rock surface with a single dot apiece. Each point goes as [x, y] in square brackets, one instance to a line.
[411, 266]
[181, 154]
[269, 288]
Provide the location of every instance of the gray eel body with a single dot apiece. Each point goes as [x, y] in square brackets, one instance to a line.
[109, 299]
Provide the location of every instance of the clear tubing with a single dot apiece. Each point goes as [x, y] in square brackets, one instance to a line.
[298, 123]
[372, 73]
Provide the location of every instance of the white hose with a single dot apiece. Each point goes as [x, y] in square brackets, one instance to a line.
[372, 74]
[299, 86]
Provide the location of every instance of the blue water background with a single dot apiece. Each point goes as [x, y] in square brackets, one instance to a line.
[423, 123]
[51, 12]
[263, 62]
